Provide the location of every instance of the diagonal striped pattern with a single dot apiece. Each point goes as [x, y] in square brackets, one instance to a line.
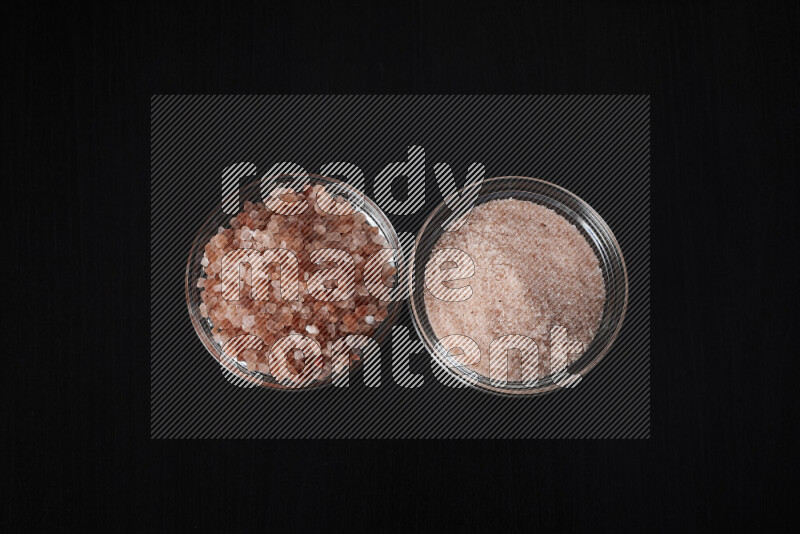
[453, 266]
[243, 266]
[596, 146]
[335, 281]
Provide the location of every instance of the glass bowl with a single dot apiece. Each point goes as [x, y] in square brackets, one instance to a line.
[578, 213]
[220, 218]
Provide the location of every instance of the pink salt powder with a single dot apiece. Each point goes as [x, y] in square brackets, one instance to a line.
[533, 271]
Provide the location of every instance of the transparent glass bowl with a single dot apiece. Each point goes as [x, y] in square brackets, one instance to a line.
[219, 218]
[578, 213]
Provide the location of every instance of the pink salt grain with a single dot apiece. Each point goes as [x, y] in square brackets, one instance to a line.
[533, 271]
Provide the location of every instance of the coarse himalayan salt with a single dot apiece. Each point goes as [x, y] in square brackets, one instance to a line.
[533, 271]
[272, 319]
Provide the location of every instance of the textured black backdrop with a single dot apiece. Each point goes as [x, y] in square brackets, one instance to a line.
[723, 81]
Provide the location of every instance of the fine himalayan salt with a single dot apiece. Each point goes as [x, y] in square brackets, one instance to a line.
[273, 318]
[533, 271]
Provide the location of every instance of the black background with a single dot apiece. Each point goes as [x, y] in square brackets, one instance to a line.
[724, 111]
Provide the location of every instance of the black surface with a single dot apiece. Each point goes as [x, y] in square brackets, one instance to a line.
[724, 110]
